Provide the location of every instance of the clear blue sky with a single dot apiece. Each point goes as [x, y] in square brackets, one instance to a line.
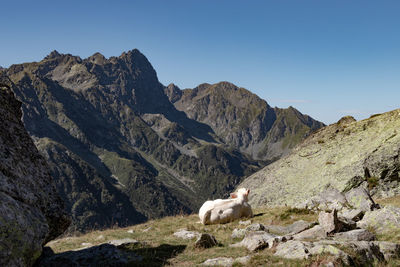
[326, 58]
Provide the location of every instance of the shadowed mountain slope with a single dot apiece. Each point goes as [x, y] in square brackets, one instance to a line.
[121, 152]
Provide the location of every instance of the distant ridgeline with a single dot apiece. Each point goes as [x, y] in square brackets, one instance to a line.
[123, 148]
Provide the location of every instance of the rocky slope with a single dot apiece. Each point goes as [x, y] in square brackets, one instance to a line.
[121, 152]
[31, 212]
[342, 156]
[243, 120]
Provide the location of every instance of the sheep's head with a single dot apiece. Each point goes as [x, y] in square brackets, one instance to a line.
[241, 193]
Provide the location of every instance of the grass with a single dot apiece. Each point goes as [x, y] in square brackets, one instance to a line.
[158, 246]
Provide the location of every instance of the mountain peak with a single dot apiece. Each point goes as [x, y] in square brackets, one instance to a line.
[97, 58]
[53, 54]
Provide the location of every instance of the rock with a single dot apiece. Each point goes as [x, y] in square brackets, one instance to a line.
[206, 241]
[293, 249]
[367, 252]
[224, 261]
[388, 249]
[221, 261]
[238, 233]
[383, 220]
[119, 242]
[86, 244]
[243, 260]
[329, 221]
[31, 212]
[355, 235]
[102, 255]
[360, 199]
[185, 234]
[316, 232]
[130, 231]
[292, 229]
[303, 250]
[351, 214]
[255, 227]
[245, 222]
[258, 240]
[327, 200]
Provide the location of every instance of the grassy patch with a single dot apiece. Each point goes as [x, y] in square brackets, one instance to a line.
[158, 246]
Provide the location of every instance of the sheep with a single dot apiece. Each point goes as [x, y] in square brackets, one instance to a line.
[226, 210]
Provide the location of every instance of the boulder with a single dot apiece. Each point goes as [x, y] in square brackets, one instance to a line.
[258, 240]
[255, 227]
[31, 212]
[383, 220]
[295, 249]
[351, 214]
[388, 249]
[185, 234]
[206, 241]
[123, 241]
[355, 235]
[360, 199]
[220, 261]
[329, 221]
[327, 200]
[224, 261]
[240, 233]
[292, 229]
[315, 233]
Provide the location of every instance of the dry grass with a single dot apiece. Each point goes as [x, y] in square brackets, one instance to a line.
[159, 247]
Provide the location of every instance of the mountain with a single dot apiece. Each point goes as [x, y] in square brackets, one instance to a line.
[31, 211]
[342, 155]
[243, 120]
[119, 149]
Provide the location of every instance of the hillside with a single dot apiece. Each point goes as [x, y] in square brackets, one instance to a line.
[243, 120]
[342, 156]
[119, 150]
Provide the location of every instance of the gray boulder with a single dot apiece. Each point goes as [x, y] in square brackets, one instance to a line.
[31, 212]
[329, 221]
[123, 241]
[295, 249]
[327, 200]
[240, 233]
[185, 234]
[388, 249]
[360, 199]
[351, 214]
[292, 229]
[383, 220]
[355, 235]
[258, 240]
[206, 241]
[220, 261]
[315, 233]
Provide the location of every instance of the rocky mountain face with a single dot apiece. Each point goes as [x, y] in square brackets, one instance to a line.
[31, 211]
[121, 152]
[243, 120]
[343, 156]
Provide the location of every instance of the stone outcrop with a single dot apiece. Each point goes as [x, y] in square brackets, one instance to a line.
[31, 211]
[383, 220]
[206, 241]
[341, 156]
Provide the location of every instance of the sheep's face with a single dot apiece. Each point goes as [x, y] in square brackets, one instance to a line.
[243, 192]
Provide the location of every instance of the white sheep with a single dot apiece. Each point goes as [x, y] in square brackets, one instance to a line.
[226, 210]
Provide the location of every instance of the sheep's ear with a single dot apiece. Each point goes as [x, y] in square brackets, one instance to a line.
[233, 195]
[248, 191]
